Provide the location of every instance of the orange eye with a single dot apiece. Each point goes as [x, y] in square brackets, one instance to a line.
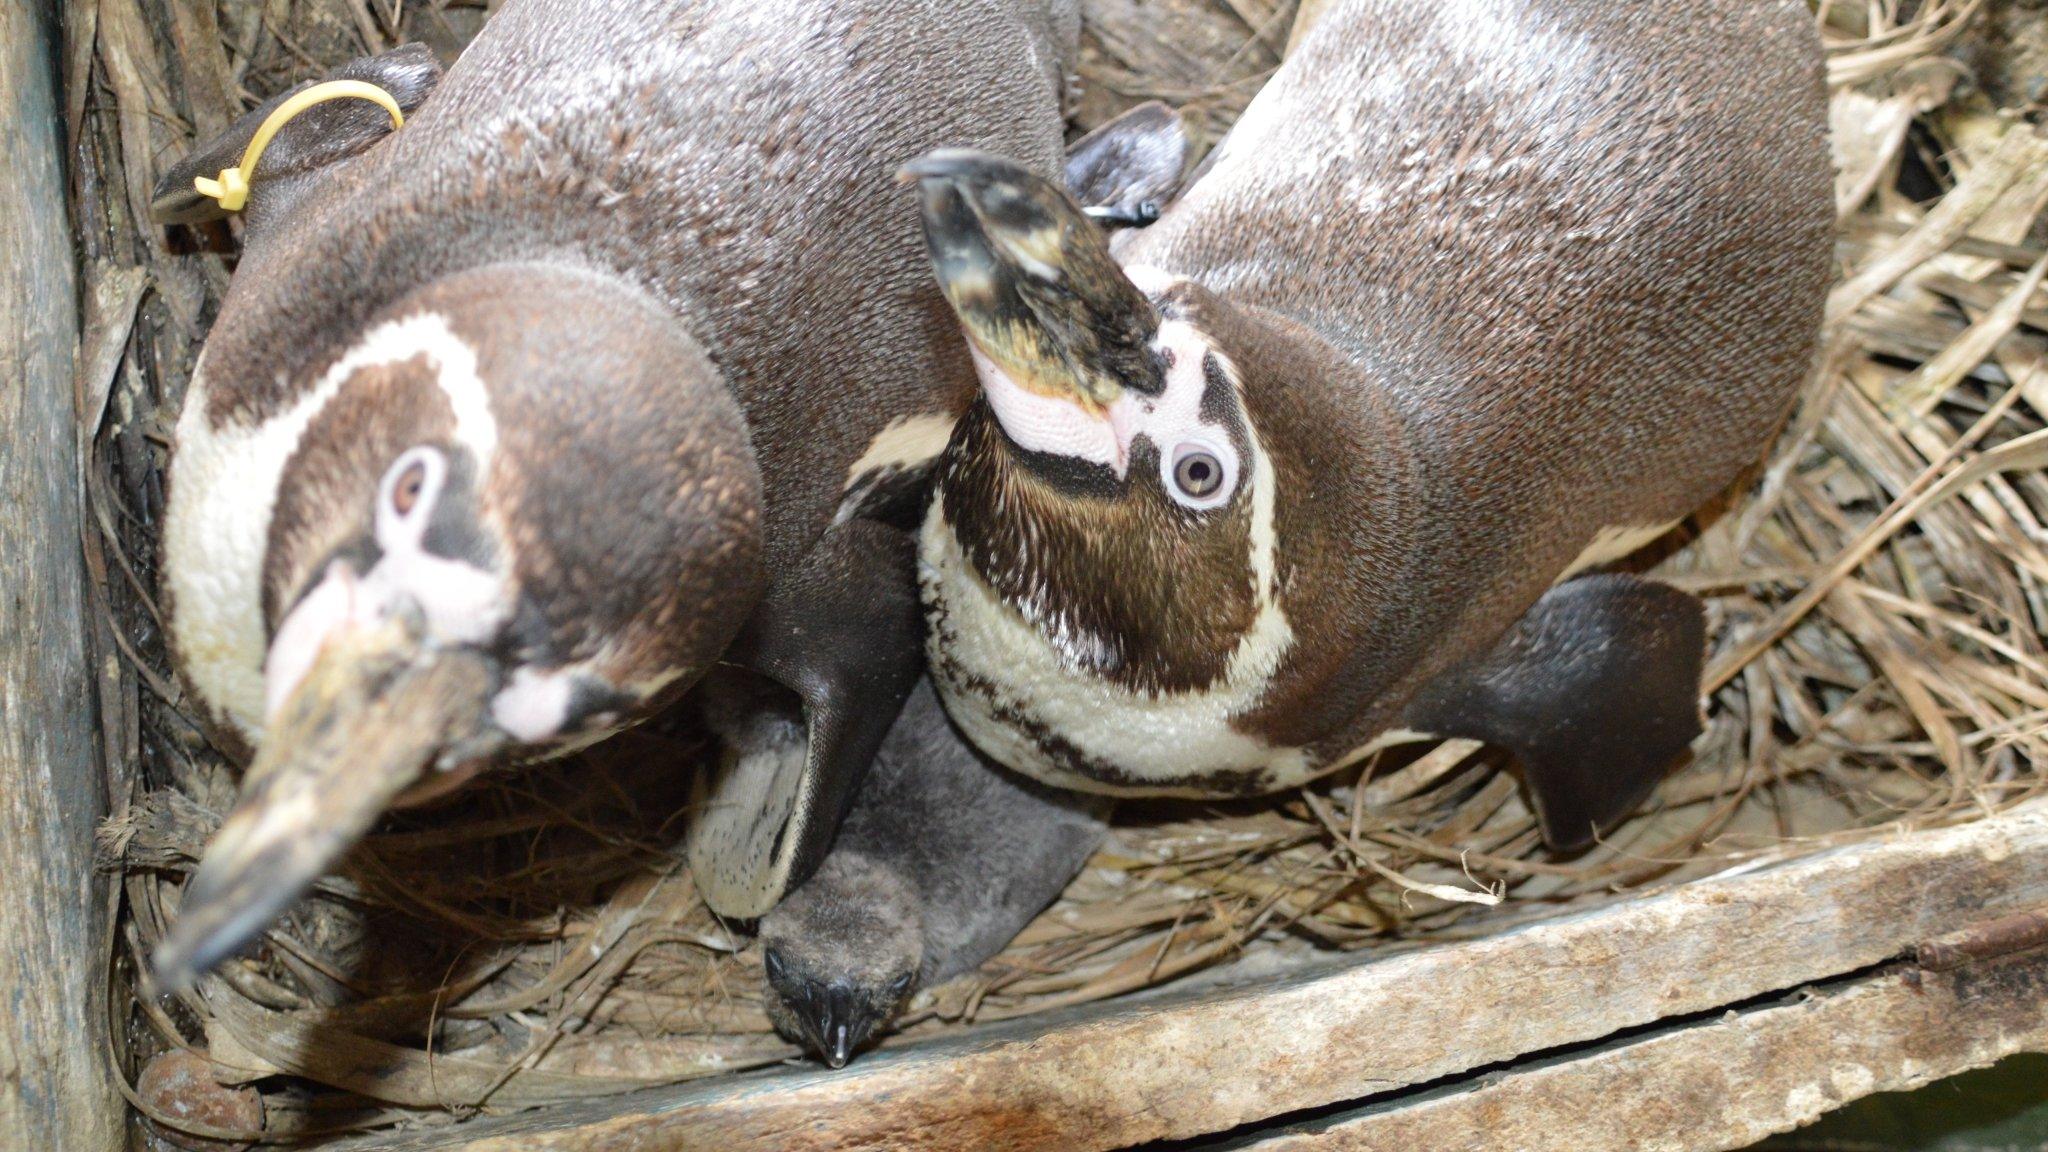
[405, 495]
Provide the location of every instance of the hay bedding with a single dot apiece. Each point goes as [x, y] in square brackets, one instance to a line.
[1877, 596]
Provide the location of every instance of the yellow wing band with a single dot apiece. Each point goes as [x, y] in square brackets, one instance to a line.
[232, 188]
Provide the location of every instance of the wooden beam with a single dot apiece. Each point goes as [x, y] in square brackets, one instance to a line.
[1175, 1067]
[56, 1089]
[1725, 1083]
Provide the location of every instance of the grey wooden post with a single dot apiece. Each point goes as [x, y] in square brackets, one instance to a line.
[56, 1089]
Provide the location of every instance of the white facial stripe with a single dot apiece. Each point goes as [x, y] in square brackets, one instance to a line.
[1173, 418]
[475, 427]
[1048, 424]
[1158, 739]
[908, 442]
[1170, 420]
[224, 484]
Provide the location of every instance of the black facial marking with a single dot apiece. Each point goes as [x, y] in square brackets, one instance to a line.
[454, 530]
[1075, 477]
[1218, 397]
[590, 698]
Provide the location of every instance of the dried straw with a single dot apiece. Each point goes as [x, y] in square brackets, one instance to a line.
[1877, 597]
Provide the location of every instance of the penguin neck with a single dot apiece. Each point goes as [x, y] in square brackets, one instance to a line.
[1095, 565]
[1350, 518]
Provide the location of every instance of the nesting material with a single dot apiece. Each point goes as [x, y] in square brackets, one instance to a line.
[1876, 594]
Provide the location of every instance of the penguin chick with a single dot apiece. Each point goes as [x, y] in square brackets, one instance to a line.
[943, 859]
[842, 954]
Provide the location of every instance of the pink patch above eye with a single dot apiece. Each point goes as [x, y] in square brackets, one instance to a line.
[1047, 424]
[322, 612]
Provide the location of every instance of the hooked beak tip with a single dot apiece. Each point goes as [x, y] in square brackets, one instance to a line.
[359, 728]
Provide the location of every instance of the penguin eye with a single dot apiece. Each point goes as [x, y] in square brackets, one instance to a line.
[410, 485]
[405, 495]
[1199, 475]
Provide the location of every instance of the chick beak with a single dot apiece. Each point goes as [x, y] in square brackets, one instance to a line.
[376, 711]
[836, 1022]
[1033, 281]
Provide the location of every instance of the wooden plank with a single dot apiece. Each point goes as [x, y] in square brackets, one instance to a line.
[1178, 1067]
[55, 1086]
[1723, 1084]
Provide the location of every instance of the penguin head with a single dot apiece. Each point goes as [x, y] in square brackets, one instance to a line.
[518, 507]
[1112, 485]
[842, 954]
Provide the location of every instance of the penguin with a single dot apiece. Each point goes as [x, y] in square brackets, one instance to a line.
[599, 372]
[1475, 300]
[944, 855]
[941, 861]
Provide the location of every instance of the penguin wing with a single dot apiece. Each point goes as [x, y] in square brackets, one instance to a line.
[316, 138]
[1130, 162]
[845, 633]
[1597, 693]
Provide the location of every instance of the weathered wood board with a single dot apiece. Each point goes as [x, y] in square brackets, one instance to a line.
[1722, 1083]
[1189, 1066]
[56, 1088]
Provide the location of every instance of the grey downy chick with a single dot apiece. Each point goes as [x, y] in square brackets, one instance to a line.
[942, 860]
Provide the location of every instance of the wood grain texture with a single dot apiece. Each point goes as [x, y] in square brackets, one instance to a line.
[1725, 1083]
[1178, 1067]
[55, 1086]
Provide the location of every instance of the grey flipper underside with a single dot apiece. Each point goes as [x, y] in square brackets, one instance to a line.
[844, 634]
[942, 860]
[1129, 163]
[318, 137]
[1595, 690]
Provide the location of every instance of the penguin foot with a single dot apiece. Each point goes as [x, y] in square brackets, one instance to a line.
[842, 955]
[1597, 693]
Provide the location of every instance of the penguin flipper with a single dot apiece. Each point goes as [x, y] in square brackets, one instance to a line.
[845, 634]
[1129, 164]
[1596, 691]
[316, 138]
[944, 857]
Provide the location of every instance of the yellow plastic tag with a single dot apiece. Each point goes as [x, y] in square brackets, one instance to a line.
[232, 188]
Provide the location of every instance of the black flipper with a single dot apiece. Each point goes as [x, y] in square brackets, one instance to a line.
[1596, 691]
[845, 634]
[319, 136]
[942, 860]
[1126, 171]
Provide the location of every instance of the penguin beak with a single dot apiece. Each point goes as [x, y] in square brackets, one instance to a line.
[376, 710]
[1033, 281]
[836, 1022]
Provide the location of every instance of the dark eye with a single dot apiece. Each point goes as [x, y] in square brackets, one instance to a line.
[405, 495]
[1198, 474]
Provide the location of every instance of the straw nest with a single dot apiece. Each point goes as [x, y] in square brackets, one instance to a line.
[1877, 594]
